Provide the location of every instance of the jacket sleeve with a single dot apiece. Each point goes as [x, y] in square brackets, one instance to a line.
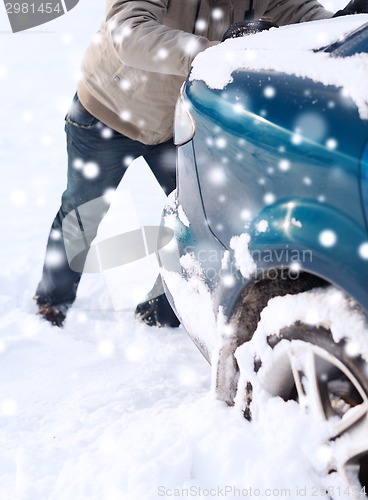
[284, 12]
[142, 41]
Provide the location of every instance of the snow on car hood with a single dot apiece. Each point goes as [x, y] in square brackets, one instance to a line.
[289, 49]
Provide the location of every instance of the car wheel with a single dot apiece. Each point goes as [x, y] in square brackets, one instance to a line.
[317, 368]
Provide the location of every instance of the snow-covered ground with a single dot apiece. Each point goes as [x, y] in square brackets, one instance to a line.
[107, 408]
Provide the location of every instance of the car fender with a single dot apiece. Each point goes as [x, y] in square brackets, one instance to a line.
[297, 235]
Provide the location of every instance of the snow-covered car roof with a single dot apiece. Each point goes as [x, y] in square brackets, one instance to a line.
[293, 50]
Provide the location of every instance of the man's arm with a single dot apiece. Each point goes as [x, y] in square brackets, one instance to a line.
[142, 41]
[284, 12]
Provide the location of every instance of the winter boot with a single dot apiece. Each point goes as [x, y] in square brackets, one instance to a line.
[157, 312]
[53, 314]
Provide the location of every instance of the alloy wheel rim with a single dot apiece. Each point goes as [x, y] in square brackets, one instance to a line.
[328, 390]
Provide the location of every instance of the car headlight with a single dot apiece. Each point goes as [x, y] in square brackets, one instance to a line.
[184, 127]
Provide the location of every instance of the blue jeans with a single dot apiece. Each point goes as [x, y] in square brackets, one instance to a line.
[89, 140]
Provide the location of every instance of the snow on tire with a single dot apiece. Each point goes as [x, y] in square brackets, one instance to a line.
[311, 350]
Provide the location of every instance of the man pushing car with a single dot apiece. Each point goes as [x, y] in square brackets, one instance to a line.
[124, 108]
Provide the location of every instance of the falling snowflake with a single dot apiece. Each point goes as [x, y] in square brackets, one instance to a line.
[54, 258]
[345, 93]
[246, 215]
[269, 92]
[91, 170]
[238, 108]
[297, 138]
[78, 164]
[311, 125]
[201, 25]
[228, 280]
[217, 14]
[107, 133]
[162, 54]
[192, 46]
[269, 198]
[127, 160]
[55, 234]
[295, 267]
[327, 238]
[352, 349]
[125, 115]
[363, 250]
[217, 175]
[121, 34]
[331, 143]
[284, 165]
[125, 84]
[109, 195]
[221, 142]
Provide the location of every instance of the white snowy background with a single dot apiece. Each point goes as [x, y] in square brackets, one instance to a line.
[107, 408]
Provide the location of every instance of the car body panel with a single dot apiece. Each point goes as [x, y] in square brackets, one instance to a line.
[283, 160]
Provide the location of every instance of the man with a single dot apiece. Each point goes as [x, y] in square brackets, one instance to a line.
[124, 108]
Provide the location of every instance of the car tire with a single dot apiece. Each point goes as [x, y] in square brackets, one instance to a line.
[308, 364]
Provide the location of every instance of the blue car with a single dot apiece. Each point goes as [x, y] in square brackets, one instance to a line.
[269, 275]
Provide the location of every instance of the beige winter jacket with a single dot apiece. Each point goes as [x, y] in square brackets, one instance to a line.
[133, 69]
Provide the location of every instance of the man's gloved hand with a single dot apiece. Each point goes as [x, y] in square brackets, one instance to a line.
[245, 28]
[353, 7]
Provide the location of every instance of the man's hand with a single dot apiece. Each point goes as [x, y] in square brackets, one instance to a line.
[353, 7]
[245, 28]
